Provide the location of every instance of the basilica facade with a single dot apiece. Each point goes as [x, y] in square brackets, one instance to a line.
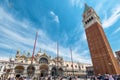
[42, 65]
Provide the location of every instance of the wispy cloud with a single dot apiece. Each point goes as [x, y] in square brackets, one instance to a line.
[20, 34]
[107, 22]
[77, 3]
[9, 17]
[15, 33]
[100, 5]
[4, 58]
[83, 37]
[56, 18]
[117, 30]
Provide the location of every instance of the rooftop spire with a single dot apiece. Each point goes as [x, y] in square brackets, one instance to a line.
[28, 54]
[18, 51]
[86, 8]
[40, 50]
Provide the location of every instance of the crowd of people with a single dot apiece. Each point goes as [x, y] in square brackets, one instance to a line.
[105, 77]
[99, 77]
[40, 78]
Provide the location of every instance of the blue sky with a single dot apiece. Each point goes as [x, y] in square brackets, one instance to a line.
[55, 20]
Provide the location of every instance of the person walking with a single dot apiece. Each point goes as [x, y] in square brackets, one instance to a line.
[49, 78]
[110, 77]
[106, 77]
[70, 78]
[118, 77]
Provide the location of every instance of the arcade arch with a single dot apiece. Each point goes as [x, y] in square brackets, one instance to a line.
[44, 70]
[19, 70]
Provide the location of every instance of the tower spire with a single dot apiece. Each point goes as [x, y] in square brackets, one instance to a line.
[40, 50]
[86, 8]
[90, 17]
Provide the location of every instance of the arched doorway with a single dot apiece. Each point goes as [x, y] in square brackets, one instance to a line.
[43, 70]
[30, 70]
[17, 75]
[54, 71]
[60, 71]
[19, 70]
[43, 73]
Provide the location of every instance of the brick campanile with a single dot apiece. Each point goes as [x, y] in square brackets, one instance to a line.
[101, 53]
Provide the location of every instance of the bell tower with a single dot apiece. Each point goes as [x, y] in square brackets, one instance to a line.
[101, 53]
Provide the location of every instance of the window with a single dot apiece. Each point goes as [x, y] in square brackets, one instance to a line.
[75, 66]
[67, 65]
[79, 68]
[91, 18]
[43, 60]
[82, 66]
[87, 21]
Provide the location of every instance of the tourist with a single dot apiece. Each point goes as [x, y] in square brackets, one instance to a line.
[110, 77]
[70, 78]
[118, 77]
[39, 78]
[100, 77]
[21, 78]
[93, 78]
[25, 78]
[61, 78]
[75, 77]
[115, 77]
[49, 78]
[106, 77]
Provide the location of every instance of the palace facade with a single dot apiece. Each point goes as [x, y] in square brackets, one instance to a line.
[43, 65]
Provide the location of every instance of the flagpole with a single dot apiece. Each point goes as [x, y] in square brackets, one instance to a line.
[72, 61]
[57, 56]
[34, 47]
[57, 52]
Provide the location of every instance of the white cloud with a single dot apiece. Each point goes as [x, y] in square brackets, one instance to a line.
[8, 17]
[12, 35]
[84, 36]
[4, 58]
[100, 5]
[117, 30]
[56, 18]
[5, 45]
[107, 22]
[22, 37]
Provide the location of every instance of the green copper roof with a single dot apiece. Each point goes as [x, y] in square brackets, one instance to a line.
[86, 8]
